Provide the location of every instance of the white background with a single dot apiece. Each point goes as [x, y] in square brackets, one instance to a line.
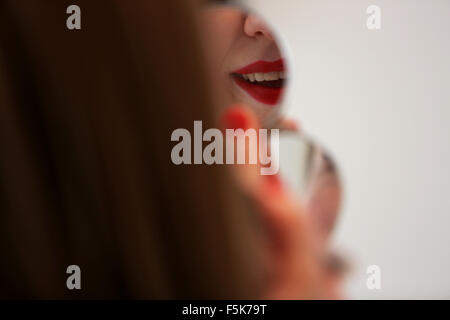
[380, 102]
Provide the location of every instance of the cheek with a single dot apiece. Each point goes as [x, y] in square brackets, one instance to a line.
[220, 31]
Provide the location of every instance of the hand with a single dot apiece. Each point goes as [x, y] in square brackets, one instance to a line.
[294, 258]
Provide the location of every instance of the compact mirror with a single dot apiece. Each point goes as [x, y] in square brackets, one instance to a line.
[308, 169]
[247, 66]
[244, 59]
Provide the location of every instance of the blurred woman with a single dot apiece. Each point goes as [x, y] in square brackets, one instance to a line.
[86, 177]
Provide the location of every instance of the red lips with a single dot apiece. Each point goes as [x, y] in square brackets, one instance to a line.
[262, 66]
[267, 92]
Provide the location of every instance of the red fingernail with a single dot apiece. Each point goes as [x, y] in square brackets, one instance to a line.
[273, 182]
[235, 118]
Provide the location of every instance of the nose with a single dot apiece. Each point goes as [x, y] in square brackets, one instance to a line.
[255, 27]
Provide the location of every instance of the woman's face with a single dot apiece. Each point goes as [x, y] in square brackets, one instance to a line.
[244, 60]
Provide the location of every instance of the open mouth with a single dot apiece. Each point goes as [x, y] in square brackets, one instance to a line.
[263, 81]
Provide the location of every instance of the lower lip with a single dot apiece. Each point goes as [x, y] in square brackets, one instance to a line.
[267, 95]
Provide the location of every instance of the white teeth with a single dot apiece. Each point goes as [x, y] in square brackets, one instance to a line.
[268, 76]
[259, 76]
[271, 76]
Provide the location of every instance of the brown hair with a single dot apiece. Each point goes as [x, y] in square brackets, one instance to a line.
[85, 171]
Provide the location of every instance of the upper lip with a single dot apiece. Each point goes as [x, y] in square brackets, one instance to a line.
[263, 67]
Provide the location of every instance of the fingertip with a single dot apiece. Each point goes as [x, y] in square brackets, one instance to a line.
[238, 117]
